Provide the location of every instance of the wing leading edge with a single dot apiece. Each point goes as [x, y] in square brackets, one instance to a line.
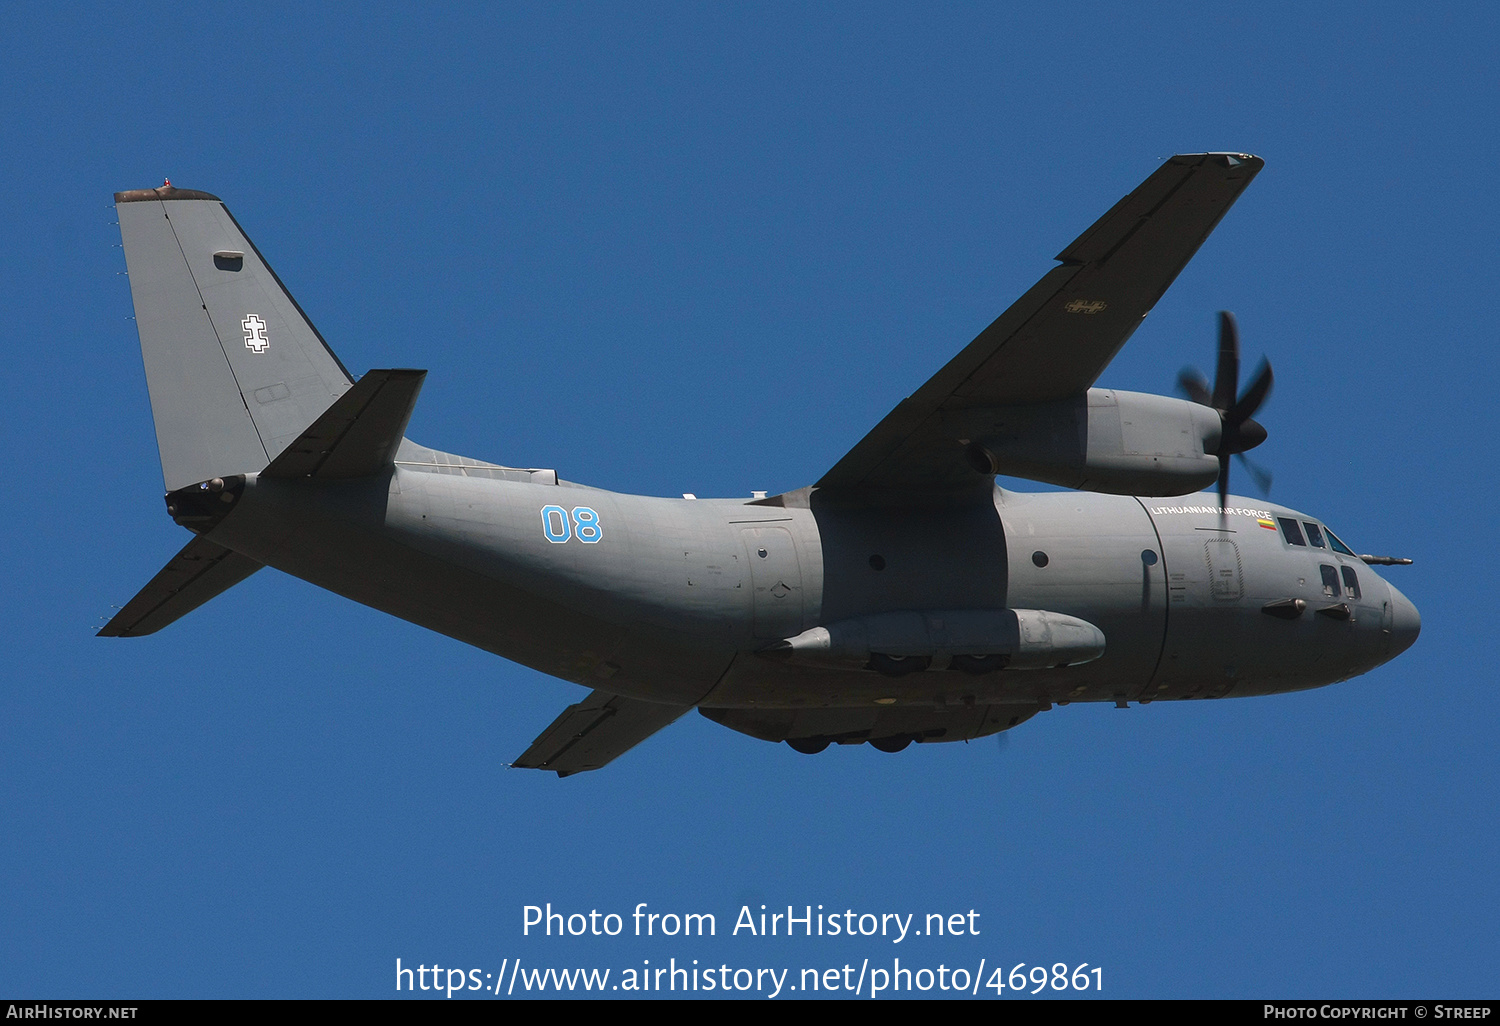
[1055, 341]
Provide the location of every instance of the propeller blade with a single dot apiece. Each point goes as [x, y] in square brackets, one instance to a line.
[1194, 386]
[1256, 394]
[1226, 378]
[1223, 482]
[1260, 475]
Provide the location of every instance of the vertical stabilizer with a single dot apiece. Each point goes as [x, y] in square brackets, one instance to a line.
[235, 369]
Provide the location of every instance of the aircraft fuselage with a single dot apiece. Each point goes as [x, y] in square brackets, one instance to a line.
[676, 600]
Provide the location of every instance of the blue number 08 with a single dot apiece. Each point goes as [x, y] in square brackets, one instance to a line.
[557, 529]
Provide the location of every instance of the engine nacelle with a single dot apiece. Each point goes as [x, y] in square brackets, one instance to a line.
[1125, 443]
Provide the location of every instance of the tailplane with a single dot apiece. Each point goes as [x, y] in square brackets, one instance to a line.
[195, 575]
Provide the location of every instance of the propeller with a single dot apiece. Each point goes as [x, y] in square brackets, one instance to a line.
[1238, 432]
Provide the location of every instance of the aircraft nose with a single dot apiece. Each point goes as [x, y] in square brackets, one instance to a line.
[1406, 623]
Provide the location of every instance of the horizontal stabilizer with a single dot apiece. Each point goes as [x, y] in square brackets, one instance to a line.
[592, 733]
[357, 435]
[200, 571]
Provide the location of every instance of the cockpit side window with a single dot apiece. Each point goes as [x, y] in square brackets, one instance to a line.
[1338, 546]
[1314, 536]
[1351, 583]
[1290, 531]
[1330, 581]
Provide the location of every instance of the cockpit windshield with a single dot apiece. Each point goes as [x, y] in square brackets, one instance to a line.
[1317, 536]
[1337, 545]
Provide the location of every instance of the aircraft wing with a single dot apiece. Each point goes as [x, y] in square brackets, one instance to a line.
[1056, 340]
[200, 571]
[592, 733]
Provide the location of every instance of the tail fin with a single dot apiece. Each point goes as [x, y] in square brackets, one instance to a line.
[235, 369]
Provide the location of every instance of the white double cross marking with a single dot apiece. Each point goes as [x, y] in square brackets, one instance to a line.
[255, 334]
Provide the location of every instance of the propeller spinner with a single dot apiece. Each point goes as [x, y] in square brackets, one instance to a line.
[1238, 433]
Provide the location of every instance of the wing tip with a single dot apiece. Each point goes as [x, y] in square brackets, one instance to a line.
[1225, 158]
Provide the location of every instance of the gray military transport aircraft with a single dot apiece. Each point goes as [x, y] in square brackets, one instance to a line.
[903, 597]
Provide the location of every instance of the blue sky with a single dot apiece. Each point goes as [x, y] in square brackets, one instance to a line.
[704, 248]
